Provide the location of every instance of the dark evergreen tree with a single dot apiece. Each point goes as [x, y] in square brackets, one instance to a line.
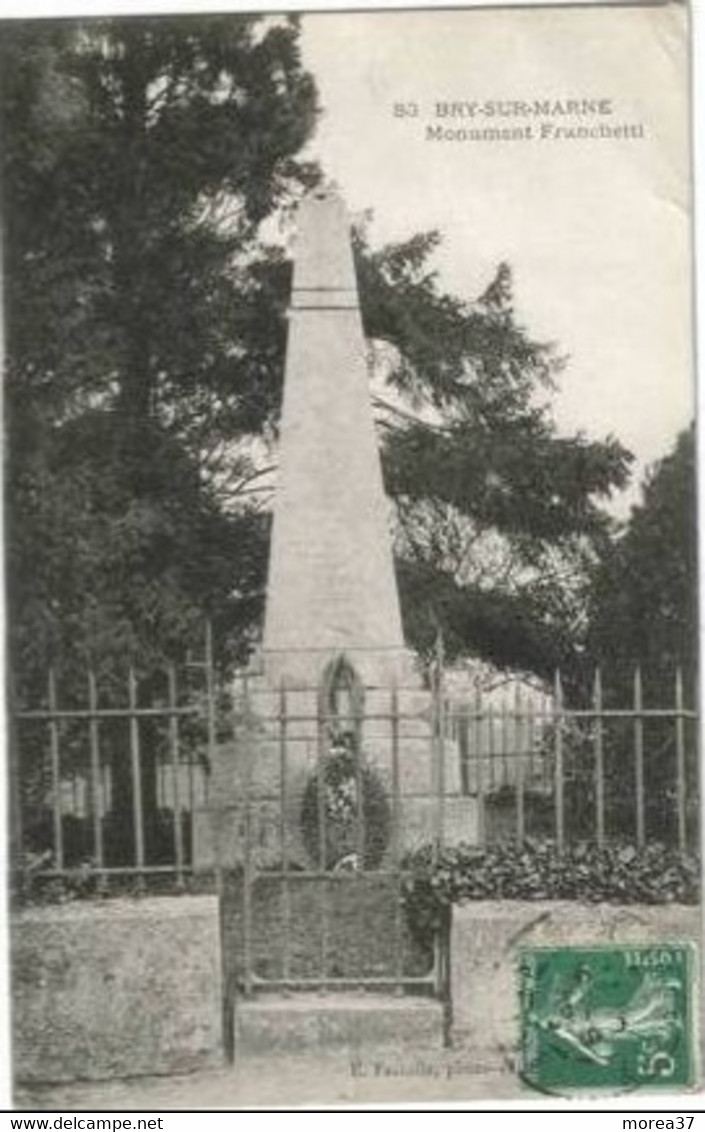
[642, 633]
[500, 517]
[143, 333]
[643, 602]
[143, 341]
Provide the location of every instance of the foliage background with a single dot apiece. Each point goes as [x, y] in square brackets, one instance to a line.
[148, 163]
[536, 870]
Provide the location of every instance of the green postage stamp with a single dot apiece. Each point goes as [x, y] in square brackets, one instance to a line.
[607, 1017]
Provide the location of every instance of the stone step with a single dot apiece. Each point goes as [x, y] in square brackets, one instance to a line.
[349, 1020]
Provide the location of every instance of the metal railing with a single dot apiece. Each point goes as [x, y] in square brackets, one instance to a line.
[493, 767]
[344, 893]
[107, 788]
[636, 763]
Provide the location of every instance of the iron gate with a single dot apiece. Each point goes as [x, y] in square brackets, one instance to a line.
[315, 899]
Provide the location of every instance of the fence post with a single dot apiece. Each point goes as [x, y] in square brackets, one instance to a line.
[396, 843]
[136, 776]
[599, 761]
[491, 749]
[462, 720]
[439, 719]
[210, 696]
[360, 831]
[55, 774]
[477, 734]
[324, 736]
[174, 752]
[680, 762]
[639, 759]
[227, 967]
[247, 878]
[96, 781]
[530, 735]
[505, 741]
[558, 769]
[396, 799]
[519, 733]
[283, 808]
[15, 783]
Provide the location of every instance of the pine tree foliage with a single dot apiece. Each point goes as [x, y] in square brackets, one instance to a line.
[143, 314]
[643, 602]
[500, 516]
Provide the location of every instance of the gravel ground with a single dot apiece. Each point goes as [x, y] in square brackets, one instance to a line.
[322, 1079]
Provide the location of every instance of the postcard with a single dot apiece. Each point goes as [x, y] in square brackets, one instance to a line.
[352, 631]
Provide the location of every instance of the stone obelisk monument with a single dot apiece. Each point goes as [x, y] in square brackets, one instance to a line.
[331, 585]
[332, 621]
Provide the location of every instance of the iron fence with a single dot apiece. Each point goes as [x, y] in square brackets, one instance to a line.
[594, 771]
[313, 899]
[107, 788]
[488, 767]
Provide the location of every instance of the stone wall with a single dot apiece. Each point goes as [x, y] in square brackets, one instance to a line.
[134, 986]
[486, 939]
[113, 989]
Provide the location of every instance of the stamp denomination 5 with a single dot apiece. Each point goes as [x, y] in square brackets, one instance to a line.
[617, 1017]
